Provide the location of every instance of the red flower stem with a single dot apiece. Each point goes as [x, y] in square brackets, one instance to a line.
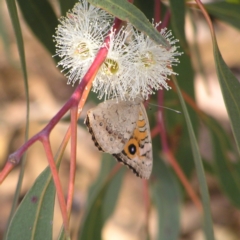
[73, 158]
[63, 146]
[157, 12]
[74, 116]
[6, 170]
[155, 131]
[60, 195]
[206, 15]
[171, 159]
[166, 19]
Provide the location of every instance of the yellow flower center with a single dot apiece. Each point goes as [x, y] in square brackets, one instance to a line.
[83, 50]
[147, 59]
[110, 66]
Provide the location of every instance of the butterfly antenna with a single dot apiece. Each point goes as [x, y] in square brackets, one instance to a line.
[176, 111]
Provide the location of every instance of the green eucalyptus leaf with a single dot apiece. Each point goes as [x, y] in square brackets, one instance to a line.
[126, 11]
[178, 21]
[41, 19]
[207, 219]
[146, 7]
[33, 218]
[66, 5]
[18, 33]
[225, 11]
[5, 38]
[230, 87]
[11, 4]
[227, 170]
[166, 197]
[175, 123]
[101, 201]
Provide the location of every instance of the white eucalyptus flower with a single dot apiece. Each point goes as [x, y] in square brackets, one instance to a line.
[135, 65]
[114, 74]
[79, 37]
[151, 64]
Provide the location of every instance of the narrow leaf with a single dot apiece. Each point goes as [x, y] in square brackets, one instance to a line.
[34, 216]
[178, 21]
[5, 38]
[175, 123]
[42, 20]
[227, 171]
[230, 89]
[126, 11]
[11, 4]
[167, 199]
[208, 227]
[102, 199]
[33, 219]
[18, 34]
[66, 5]
[226, 11]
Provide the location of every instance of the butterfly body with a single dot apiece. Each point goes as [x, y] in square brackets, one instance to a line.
[122, 129]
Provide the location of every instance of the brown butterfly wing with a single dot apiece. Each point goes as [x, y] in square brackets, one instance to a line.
[112, 123]
[137, 153]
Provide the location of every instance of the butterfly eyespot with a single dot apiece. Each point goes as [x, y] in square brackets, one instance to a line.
[111, 139]
[132, 149]
[100, 124]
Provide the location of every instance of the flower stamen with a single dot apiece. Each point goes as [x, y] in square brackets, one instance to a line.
[147, 59]
[110, 67]
[83, 50]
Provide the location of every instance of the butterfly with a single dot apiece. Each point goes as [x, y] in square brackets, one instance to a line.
[121, 128]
